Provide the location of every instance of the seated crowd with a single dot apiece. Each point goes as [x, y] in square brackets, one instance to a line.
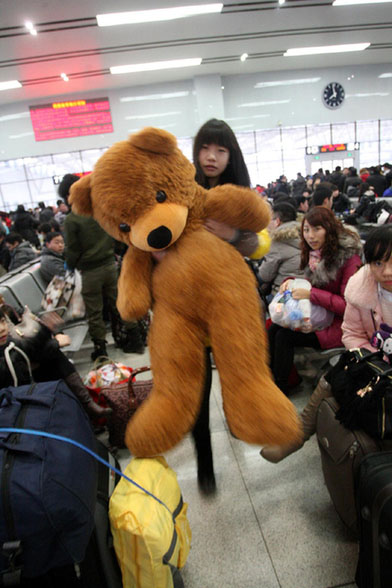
[309, 239]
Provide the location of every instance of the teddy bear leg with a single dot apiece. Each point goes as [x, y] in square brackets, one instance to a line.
[202, 436]
[256, 410]
[178, 366]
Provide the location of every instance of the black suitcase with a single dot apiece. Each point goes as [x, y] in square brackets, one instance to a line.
[374, 503]
[99, 569]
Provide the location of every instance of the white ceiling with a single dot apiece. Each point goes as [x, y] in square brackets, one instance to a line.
[70, 41]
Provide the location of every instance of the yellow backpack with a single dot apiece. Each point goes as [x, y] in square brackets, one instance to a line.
[152, 540]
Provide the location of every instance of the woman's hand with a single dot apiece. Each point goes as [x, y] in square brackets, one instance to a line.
[63, 340]
[300, 294]
[219, 229]
[285, 286]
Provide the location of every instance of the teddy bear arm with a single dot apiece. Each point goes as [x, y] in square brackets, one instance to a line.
[134, 284]
[238, 207]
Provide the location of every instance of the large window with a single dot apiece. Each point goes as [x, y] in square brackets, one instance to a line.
[268, 154]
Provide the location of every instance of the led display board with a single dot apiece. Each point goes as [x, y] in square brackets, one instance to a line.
[71, 118]
[333, 148]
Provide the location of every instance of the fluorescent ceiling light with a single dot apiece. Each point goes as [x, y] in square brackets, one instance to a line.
[155, 65]
[30, 27]
[386, 75]
[367, 94]
[326, 49]
[266, 103]
[154, 96]
[142, 116]
[9, 85]
[120, 18]
[6, 117]
[350, 2]
[21, 135]
[287, 82]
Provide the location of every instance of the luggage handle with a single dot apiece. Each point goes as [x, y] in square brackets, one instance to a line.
[87, 450]
[134, 373]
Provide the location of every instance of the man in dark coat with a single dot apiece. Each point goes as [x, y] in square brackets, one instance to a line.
[21, 251]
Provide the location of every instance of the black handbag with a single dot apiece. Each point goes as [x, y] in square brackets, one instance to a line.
[361, 382]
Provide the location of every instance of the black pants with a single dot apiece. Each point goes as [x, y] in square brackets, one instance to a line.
[201, 430]
[55, 367]
[282, 343]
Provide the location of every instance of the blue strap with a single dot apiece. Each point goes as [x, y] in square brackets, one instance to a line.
[87, 450]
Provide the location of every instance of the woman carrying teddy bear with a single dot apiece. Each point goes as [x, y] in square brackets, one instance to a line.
[218, 159]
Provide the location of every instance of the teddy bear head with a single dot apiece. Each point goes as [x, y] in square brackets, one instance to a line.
[142, 191]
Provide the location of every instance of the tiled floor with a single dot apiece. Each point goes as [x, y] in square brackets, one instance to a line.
[270, 525]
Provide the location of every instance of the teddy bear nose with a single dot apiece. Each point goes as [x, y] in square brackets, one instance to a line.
[159, 237]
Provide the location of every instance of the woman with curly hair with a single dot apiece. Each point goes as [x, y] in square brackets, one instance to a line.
[330, 255]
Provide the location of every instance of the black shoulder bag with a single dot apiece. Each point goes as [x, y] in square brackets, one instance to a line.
[361, 382]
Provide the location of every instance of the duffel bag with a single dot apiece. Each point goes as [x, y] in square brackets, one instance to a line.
[48, 488]
[151, 532]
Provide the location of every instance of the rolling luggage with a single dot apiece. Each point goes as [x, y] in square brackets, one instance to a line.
[341, 453]
[374, 502]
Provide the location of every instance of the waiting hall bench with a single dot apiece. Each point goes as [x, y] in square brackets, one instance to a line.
[25, 287]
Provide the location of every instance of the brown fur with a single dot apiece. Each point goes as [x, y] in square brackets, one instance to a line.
[201, 288]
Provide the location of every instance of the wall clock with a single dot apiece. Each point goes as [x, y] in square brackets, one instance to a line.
[333, 95]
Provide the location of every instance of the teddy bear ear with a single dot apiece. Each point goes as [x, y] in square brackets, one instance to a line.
[80, 196]
[154, 140]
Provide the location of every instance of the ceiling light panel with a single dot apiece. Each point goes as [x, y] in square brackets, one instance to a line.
[10, 85]
[326, 49]
[274, 83]
[357, 2]
[155, 65]
[139, 16]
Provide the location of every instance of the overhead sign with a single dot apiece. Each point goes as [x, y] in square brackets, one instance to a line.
[71, 118]
[332, 148]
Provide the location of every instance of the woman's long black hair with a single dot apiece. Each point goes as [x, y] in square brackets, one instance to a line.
[218, 132]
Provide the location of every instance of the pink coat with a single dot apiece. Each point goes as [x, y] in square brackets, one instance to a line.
[363, 311]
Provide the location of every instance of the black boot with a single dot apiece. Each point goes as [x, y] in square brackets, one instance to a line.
[94, 411]
[99, 349]
[133, 341]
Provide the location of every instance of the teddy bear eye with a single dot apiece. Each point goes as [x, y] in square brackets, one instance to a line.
[161, 196]
[124, 227]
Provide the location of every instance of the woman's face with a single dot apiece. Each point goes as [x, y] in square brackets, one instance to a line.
[213, 160]
[3, 331]
[314, 236]
[382, 273]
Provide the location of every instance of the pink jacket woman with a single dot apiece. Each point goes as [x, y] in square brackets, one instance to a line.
[363, 313]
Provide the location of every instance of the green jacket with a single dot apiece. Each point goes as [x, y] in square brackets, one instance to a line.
[87, 245]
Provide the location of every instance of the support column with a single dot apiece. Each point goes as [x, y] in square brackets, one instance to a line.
[209, 98]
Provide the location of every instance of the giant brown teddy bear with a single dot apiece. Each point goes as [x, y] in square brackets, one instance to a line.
[143, 192]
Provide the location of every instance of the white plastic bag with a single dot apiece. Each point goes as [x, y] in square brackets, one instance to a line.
[298, 315]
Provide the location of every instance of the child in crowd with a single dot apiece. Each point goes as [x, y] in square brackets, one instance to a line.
[369, 305]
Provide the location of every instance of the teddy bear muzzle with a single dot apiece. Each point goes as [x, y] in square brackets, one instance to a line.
[160, 227]
[160, 237]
